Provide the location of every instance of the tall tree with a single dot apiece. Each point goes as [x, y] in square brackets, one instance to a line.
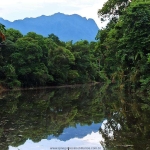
[134, 45]
[124, 45]
[112, 8]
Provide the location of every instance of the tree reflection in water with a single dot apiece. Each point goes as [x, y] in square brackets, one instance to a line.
[35, 114]
[128, 120]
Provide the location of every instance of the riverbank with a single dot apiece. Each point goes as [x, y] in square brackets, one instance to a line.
[2, 89]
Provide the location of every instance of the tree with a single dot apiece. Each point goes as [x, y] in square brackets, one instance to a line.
[122, 56]
[56, 40]
[40, 40]
[13, 35]
[112, 8]
[85, 62]
[134, 45]
[60, 63]
[29, 64]
[10, 76]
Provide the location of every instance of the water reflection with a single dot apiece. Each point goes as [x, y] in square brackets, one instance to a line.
[80, 117]
[90, 141]
[36, 114]
[78, 131]
[128, 121]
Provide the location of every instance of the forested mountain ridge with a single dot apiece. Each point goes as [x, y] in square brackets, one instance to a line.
[66, 27]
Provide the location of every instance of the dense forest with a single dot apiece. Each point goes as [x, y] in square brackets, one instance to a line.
[125, 43]
[33, 60]
[120, 55]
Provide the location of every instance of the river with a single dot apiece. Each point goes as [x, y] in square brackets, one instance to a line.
[85, 117]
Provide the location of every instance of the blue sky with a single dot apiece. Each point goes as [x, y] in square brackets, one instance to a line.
[19, 9]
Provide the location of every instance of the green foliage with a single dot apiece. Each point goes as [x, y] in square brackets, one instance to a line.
[13, 35]
[124, 46]
[60, 61]
[85, 61]
[2, 27]
[112, 8]
[41, 61]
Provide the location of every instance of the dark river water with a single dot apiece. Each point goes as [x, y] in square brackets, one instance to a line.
[87, 117]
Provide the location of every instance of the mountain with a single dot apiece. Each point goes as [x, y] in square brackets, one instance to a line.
[66, 27]
[77, 132]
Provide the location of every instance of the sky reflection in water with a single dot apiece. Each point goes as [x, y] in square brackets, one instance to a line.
[91, 140]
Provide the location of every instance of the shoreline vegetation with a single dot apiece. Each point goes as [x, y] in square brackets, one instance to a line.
[33, 61]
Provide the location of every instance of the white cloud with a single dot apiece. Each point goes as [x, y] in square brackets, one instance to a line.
[19, 9]
[90, 140]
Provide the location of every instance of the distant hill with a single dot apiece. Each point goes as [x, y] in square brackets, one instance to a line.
[77, 132]
[66, 27]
